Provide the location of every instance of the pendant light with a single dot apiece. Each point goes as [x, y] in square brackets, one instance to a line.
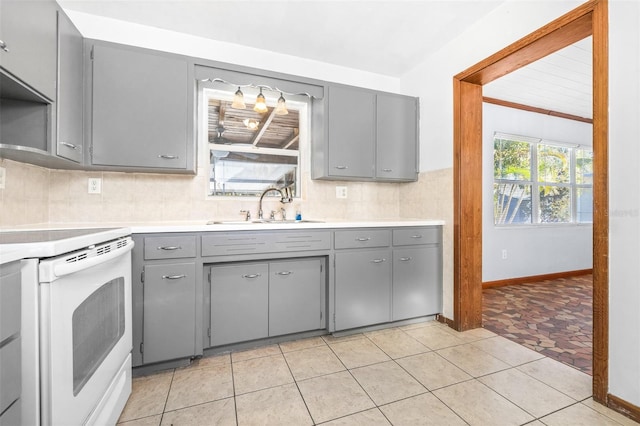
[261, 103]
[281, 108]
[238, 100]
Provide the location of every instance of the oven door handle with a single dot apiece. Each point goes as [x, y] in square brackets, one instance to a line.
[63, 269]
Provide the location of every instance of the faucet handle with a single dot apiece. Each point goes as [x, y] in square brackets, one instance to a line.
[284, 213]
[247, 214]
[272, 216]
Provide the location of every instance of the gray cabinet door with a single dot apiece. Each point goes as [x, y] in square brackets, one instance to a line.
[397, 137]
[239, 302]
[363, 288]
[28, 28]
[417, 287]
[169, 311]
[70, 91]
[351, 132]
[295, 296]
[139, 110]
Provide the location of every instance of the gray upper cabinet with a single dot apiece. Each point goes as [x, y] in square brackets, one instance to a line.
[351, 113]
[397, 137]
[28, 34]
[365, 135]
[140, 108]
[70, 91]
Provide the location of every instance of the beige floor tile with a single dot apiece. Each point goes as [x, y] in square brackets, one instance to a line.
[277, 406]
[297, 345]
[260, 373]
[427, 323]
[421, 410]
[145, 421]
[256, 353]
[479, 405]
[472, 335]
[217, 413]
[578, 414]
[358, 353]
[526, 392]
[507, 351]
[148, 396]
[566, 379]
[434, 337]
[387, 382]
[200, 385]
[472, 360]
[433, 371]
[609, 412]
[371, 417]
[397, 344]
[313, 362]
[330, 338]
[332, 396]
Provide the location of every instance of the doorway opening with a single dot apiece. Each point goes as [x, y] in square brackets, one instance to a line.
[589, 19]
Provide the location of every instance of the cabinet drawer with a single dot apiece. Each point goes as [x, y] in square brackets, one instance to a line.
[220, 244]
[362, 238]
[9, 300]
[10, 373]
[416, 236]
[296, 241]
[169, 247]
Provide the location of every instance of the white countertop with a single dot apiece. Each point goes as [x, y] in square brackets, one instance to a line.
[17, 251]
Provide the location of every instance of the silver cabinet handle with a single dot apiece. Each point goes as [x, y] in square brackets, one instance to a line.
[387, 170]
[250, 275]
[173, 277]
[378, 260]
[342, 167]
[416, 236]
[405, 259]
[69, 145]
[169, 248]
[363, 238]
[284, 273]
[3, 46]
[168, 156]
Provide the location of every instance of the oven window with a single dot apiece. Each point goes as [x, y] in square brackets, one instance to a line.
[98, 324]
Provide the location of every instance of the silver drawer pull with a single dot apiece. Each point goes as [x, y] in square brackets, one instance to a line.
[250, 275]
[69, 145]
[387, 170]
[416, 236]
[168, 156]
[3, 46]
[284, 273]
[169, 248]
[378, 260]
[363, 238]
[173, 277]
[405, 259]
[342, 167]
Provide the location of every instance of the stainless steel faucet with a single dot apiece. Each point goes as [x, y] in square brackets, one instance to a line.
[285, 197]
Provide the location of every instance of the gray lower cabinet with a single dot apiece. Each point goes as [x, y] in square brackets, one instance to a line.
[363, 288]
[140, 109]
[169, 319]
[254, 300]
[417, 288]
[10, 341]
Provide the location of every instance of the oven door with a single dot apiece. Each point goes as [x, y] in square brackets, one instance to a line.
[86, 339]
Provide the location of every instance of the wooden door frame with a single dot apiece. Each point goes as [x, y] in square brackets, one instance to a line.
[589, 19]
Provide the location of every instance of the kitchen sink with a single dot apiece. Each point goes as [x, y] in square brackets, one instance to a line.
[254, 222]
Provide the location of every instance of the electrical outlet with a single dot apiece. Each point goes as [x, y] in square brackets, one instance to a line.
[341, 192]
[95, 185]
[3, 177]
[504, 254]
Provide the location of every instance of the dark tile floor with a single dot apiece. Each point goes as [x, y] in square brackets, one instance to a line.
[552, 317]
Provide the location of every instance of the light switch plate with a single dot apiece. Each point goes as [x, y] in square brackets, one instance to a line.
[95, 185]
[341, 192]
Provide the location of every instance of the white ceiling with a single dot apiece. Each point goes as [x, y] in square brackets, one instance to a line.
[379, 36]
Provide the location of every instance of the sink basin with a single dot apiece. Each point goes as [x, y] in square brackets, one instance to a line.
[253, 222]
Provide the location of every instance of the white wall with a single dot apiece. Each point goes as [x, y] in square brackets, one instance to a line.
[624, 200]
[531, 250]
